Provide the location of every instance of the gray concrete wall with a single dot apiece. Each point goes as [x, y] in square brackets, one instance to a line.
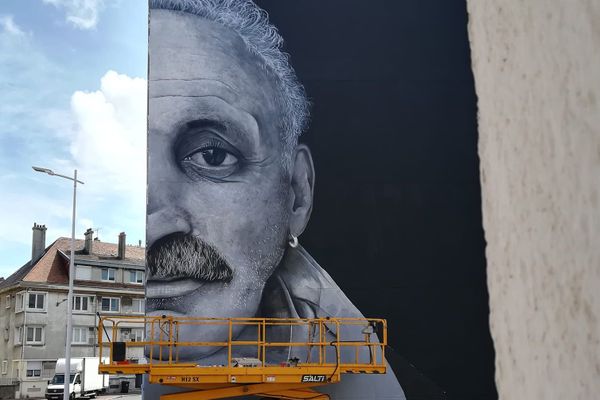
[54, 320]
[7, 392]
[7, 320]
[537, 72]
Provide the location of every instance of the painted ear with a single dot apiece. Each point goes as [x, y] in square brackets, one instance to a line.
[303, 185]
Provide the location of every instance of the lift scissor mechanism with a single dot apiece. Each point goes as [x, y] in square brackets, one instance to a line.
[282, 358]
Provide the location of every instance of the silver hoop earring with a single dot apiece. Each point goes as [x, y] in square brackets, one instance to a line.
[293, 241]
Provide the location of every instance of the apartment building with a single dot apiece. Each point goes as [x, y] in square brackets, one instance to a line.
[109, 279]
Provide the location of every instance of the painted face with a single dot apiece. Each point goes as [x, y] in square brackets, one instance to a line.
[219, 199]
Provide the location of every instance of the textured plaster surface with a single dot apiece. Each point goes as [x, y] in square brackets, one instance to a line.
[537, 71]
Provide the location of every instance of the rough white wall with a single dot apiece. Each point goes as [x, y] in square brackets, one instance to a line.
[537, 72]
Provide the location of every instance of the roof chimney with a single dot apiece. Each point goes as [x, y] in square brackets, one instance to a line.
[38, 242]
[89, 241]
[121, 250]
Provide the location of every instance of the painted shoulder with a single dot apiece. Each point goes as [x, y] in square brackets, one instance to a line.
[301, 288]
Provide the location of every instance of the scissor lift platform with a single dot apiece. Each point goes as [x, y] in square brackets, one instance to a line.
[330, 348]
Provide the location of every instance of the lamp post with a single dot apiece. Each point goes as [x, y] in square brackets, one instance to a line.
[67, 375]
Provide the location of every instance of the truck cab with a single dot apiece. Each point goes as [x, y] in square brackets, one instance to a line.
[56, 386]
[83, 378]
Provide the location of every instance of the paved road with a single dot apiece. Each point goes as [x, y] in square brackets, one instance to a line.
[120, 396]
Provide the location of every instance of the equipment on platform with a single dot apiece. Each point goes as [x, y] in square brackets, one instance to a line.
[269, 357]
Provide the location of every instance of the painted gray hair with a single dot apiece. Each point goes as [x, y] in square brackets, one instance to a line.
[251, 23]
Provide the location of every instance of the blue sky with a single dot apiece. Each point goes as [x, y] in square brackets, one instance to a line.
[72, 95]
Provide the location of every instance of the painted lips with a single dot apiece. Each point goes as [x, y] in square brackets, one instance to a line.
[172, 288]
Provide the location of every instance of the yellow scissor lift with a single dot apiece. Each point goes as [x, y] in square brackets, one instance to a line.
[315, 352]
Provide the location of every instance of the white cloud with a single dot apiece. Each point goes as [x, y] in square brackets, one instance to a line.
[10, 26]
[45, 122]
[108, 147]
[109, 139]
[82, 14]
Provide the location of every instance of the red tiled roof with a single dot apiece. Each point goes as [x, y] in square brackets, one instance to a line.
[52, 267]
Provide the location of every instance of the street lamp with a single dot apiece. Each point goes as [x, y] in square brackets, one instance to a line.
[67, 375]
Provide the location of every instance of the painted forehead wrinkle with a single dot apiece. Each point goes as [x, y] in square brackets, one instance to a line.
[197, 87]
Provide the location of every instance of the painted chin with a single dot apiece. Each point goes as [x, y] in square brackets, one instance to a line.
[194, 298]
[188, 332]
[190, 298]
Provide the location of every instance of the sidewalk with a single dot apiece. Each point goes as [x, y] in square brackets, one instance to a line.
[120, 396]
[115, 396]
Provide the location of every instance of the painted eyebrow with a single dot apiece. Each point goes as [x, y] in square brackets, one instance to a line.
[236, 135]
[202, 124]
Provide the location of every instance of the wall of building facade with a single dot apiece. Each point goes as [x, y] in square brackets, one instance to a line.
[537, 68]
[7, 392]
[52, 318]
[7, 347]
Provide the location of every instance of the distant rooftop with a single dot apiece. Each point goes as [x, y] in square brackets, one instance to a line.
[53, 264]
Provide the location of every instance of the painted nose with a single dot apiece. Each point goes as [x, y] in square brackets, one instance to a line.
[165, 214]
[165, 221]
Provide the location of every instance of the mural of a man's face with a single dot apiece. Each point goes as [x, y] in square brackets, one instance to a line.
[221, 203]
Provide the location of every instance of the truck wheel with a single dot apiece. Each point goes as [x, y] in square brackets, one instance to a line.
[72, 396]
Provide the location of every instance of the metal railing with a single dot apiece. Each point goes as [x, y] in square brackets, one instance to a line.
[345, 343]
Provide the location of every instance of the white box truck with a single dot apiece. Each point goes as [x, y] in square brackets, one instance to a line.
[84, 379]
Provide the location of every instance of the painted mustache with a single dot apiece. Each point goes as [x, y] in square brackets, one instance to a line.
[180, 255]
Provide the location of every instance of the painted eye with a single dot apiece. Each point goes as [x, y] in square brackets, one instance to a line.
[212, 157]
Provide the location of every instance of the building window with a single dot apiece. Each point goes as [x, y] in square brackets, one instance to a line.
[83, 272]
[36, 301]
[111, 304]
[108, 274]
[48, 368]
[131, 334]
[80, 335]
[7, 301]
[137, 306]
[91, 335]
[124, 334]
[82, 303]
[35, 335]
[137, 335]
[4, 367]
[34, 369]
[19, 302]
[136, 277]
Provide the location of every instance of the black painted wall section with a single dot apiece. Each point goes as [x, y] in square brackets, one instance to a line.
[397, 213]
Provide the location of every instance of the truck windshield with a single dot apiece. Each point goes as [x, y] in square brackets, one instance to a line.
[59, 379]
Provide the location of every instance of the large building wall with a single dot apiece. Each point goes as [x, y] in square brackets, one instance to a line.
[537, 71]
